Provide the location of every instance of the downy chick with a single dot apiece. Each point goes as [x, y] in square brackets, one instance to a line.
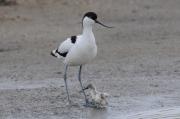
[99, 99]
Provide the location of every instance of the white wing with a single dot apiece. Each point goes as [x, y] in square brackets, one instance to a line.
[64, 47]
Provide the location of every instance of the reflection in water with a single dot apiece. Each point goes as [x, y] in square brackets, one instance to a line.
[92, 113]
[97, 114]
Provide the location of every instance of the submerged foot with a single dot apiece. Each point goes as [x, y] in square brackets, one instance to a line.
[89, 104]
[68, 103]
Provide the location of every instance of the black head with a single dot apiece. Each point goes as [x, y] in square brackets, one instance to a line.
[90, 86]
[90, 15]
[93, 16]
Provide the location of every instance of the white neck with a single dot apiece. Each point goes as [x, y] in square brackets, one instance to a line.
[87, 29]
[89, 35]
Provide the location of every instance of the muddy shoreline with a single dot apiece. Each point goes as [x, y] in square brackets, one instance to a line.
[138, 62]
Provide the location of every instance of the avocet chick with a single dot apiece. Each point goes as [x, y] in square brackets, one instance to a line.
[99, 99]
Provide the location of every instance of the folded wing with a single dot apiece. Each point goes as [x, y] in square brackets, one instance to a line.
[65, 47]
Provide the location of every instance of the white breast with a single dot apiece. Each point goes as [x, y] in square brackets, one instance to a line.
[83, 51]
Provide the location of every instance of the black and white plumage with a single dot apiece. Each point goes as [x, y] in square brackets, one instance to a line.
[79, 50]
[64, 47]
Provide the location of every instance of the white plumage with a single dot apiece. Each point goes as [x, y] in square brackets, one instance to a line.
[79, 50]
[83, 50]
[67, 44]
[64, 47]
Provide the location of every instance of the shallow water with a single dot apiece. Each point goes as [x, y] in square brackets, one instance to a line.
[164, 113]
[119, 108]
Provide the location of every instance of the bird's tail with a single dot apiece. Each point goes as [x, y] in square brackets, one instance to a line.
[54, 53]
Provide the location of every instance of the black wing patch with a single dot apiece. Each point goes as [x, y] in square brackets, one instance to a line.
[62, 54]
[73, 39]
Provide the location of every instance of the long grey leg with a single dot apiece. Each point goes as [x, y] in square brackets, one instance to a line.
[65, 80]
[79, 77]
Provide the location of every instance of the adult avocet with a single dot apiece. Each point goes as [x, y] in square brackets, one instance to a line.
[79, 50]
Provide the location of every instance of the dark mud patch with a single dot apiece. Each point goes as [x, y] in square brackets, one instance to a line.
[7, 3]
